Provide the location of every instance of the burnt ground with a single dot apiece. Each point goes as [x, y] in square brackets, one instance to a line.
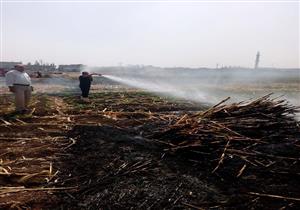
[71, 154]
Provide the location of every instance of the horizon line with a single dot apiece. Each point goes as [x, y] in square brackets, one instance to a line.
[156, 66]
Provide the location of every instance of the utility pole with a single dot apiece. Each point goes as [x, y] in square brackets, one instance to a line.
[257, 60]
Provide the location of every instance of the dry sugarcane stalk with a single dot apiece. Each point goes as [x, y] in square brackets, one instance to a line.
[274, 196]
[6, 123]
[212, 108]
[222, 157]
[248, 125]
[192, 206]
[4, 190]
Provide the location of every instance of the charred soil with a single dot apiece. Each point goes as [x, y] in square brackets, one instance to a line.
[132, 150]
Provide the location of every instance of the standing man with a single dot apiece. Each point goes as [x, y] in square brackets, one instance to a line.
[85, 81]
[19, 82]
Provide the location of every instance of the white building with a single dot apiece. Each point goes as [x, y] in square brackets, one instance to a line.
[71, 68]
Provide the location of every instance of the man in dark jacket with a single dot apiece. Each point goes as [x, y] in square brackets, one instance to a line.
[85, 81]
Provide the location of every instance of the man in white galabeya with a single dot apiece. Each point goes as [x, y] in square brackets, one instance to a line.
[19, 82]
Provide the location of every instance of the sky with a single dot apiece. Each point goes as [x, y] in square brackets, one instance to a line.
[166, 34]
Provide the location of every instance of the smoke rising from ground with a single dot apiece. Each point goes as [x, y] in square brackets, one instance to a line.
[165, 88]
[212, 85]
[207, 86]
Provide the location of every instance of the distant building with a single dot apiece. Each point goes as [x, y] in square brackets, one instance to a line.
[6, 66]
[70, 68]
[257, 60]
[3, 72]
[40, 67]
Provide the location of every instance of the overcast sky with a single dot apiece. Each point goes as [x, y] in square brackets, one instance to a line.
[163, 33]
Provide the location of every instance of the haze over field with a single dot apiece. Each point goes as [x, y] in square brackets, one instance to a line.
[202, 34]
[164, 34]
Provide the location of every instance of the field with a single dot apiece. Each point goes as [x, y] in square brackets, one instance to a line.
[129, 149]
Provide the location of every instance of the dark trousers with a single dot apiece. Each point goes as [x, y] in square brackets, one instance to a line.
[85, 91]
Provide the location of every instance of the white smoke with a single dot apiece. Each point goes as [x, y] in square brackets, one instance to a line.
[211, 85]
[165, 88]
